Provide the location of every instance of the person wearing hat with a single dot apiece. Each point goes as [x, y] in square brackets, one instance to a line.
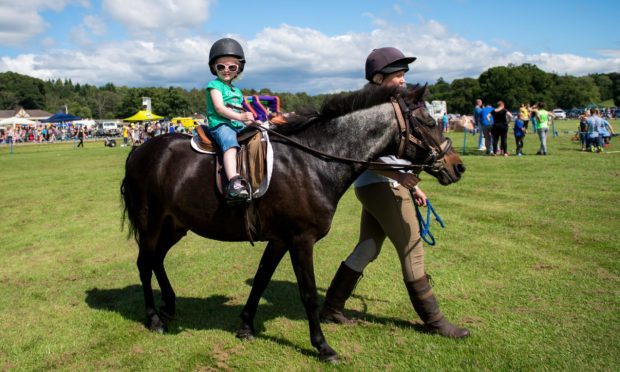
[388, 211]
[226, 62]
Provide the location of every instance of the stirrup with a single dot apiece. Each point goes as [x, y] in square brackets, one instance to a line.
[236, 196]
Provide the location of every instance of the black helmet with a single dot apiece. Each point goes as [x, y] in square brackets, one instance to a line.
[226, 47]
[386, 61]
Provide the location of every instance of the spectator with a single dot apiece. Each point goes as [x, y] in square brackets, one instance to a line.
[524, 115]
[80, 135]
[444, 122]
[542, 126]
[519, 132]
[532, 110]
[500, 128]
[10, 138]
[478, 124]
[487, 123]
[598, 130]
[583, 131]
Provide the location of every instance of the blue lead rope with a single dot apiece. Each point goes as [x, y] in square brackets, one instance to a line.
[425, 226]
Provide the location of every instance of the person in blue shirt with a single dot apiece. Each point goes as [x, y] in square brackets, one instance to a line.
[599, 131]
[596, 130]
[444, 122]
[478, 124]
[519, 132]
[487, 124]
[606, 131]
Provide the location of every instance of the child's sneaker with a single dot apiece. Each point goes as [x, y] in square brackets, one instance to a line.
[238, 189]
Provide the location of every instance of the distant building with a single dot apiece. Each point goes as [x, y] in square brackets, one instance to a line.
[23, 113]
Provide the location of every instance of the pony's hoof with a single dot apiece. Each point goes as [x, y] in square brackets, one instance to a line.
[329, 357]
[246, 333]
[155, 324]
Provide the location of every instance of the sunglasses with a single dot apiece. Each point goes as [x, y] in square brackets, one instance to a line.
[231, 67]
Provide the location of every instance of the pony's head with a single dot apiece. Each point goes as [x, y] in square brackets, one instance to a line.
[425, 143]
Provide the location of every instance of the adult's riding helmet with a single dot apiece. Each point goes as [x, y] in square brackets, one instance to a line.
[386, 61]
[226, 47]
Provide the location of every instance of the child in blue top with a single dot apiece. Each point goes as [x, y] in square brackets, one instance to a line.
[226, 61]
[519, 132]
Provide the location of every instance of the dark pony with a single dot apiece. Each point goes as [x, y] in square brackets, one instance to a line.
[169, 189]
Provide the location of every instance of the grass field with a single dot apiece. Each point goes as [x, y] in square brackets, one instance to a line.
[529, 261]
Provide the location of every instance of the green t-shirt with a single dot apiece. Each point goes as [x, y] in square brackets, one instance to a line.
[231, 95]
[543, 119]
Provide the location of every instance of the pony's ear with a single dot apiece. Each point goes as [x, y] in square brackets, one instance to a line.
[421, 92]
[417, 92]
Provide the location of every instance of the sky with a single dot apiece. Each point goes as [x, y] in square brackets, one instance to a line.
[313, 46]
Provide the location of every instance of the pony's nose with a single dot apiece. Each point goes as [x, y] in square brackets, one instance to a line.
[460, 168]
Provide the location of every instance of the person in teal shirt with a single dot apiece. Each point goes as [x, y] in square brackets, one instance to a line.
[225, 115]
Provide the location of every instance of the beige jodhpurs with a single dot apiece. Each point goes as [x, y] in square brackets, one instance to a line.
[388, 211]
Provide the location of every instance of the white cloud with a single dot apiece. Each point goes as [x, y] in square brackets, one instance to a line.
[20, 19]
[143, 16]
[293, 59]
[95, 24]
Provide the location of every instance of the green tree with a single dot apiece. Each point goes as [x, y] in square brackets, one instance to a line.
[21, 90]
[577, 92]
[463, 93]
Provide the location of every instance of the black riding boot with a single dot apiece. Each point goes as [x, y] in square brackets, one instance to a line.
[338, 293]
[426, 306]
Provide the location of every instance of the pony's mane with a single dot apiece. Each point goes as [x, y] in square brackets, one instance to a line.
[339, 105]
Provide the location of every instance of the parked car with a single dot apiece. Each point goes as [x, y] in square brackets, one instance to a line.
[559, 113]
[574, 113]
[107, 128]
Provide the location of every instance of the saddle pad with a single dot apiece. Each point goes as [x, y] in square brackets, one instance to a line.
[196, 145]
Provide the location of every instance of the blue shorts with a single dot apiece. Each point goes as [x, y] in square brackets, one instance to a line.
[225, 136]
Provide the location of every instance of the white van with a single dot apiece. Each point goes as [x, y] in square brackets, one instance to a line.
[110, 128]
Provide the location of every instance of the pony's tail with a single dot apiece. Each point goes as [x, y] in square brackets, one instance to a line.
[130, 201]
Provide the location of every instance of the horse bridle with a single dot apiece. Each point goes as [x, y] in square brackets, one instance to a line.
[404, 117]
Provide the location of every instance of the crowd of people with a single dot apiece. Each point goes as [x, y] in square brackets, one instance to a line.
[492, 123]
[594, 131]
[132, 134]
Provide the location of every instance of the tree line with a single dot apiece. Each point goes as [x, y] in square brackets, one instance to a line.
[512, 84]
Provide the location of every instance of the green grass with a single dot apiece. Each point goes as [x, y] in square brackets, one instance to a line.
[529, 261]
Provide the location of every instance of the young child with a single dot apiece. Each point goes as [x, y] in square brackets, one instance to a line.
[226, 61]
[583, 132]
[519, 132]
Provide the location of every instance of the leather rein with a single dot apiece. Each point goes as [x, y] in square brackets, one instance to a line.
[403, 116]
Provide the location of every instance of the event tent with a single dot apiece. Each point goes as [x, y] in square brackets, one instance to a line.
[143, 115]
[16, 120]
[60, 117]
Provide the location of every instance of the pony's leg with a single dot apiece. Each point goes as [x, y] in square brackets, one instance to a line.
[271, 258]
[167, 239]
[145, 267]
[303, 264]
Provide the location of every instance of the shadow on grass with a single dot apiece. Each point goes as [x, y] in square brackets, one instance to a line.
[215, 311]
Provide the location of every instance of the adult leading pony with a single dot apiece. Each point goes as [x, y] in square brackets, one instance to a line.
[169, 189]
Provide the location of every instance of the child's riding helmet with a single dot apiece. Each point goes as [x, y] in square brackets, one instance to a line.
[226, 47]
